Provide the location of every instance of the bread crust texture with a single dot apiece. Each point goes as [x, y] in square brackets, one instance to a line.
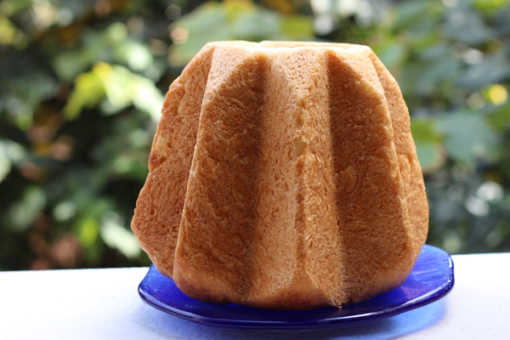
[283, 175]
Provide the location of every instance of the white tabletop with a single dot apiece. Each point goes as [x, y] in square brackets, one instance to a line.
[104, 304]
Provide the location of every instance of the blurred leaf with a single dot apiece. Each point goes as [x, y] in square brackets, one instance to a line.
[491, 70]
[5, 162]
[88, 91]
[434, 74]
[410, 14]
[113, 42]
[69, 64]
[490, 6]
[435, 52]
[123, 88]
[7, 31]
[392, 55]
[115, 235]
[24, 93]
[11, 153]
[116, 82]
[11, 7]
[120, 87]
[37, 87]
[20, 110]
[115, 33]
[428, 144]
[254, 25]
[89, 231]
[468, 137]
[205, 24]
[424, 130]
[24, 212]
[64, 211]
[147, 97]
[501, 22]
[135, 55]
[499, 117]
[235, 7]
[420, 78]
[296, 27]
[233, 20]
[430, 155]
[466, 26]
[209, 15]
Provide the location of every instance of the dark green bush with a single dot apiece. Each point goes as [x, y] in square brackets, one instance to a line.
[82, 83]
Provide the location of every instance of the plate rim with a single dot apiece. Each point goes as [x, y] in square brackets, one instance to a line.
[333, 322]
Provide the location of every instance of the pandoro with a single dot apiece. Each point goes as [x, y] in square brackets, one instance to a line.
[283, 175]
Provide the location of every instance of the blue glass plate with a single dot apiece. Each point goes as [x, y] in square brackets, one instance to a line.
[430, 280]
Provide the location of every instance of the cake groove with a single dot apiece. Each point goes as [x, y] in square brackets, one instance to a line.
[362, 138]
[222, 189]
[160, 204]
[401, 123]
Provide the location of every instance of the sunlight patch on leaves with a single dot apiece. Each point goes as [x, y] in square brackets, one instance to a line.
[119, 87]
[114, 234]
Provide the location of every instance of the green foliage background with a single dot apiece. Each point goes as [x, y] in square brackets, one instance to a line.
[82, 83]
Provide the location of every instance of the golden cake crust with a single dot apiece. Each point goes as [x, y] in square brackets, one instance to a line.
[283, 176]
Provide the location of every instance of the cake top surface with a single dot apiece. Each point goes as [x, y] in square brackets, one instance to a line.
[270, 45]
